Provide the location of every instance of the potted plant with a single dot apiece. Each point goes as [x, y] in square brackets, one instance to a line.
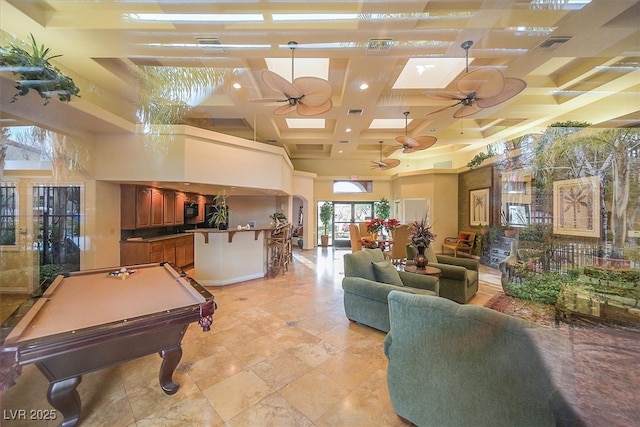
[34, 71]
[509, 231]
[382, 208]
[421, 237]
[220, 217]
[278, 218]
[326, 214]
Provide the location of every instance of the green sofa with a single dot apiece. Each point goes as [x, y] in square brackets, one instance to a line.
[461, 365]
[459, 280]
[366, 287]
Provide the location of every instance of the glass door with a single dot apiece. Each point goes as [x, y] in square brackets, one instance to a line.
[346, 213]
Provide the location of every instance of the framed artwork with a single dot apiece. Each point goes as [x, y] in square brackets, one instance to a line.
[518, 214]
[576, 203]
[479, 207]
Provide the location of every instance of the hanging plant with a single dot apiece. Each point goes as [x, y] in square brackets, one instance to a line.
[35, 72]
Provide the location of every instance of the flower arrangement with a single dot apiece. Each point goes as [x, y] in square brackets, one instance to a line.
[278, 218]
[375, 225]
[421, 235]
[391, 224]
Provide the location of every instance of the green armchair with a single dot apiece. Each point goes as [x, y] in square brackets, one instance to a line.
[463, 365]
[459, 280]
[368, 279]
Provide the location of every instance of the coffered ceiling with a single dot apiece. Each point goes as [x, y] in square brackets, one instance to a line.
[579, 58]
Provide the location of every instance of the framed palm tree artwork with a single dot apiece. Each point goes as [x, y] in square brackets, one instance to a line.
[576, 203]
[479, 207]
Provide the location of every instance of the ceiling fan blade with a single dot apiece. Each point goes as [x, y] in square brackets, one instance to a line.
[277, 83]
[389, 163]
[484, 82]
[512, 87]
[407, 141]
[443, 108]
[267, 100]
[467, 110]
[284, 110]
[444, 94]
[316, 91]
[424, 142]
[306, 110]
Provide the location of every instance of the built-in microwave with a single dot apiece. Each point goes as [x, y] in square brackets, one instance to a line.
[190, 209]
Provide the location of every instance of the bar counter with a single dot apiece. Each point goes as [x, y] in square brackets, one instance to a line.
[222, 257]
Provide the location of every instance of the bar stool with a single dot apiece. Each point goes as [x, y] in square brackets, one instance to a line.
[277, 251]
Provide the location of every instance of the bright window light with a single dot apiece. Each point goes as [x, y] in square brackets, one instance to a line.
[195, 17]
[305, 123]
[422, 73]
[314, 16]
[304, 67]
[388, 123]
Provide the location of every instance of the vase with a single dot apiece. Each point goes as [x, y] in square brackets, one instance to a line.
[420, 260]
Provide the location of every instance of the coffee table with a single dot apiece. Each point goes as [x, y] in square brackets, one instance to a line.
[427, 271]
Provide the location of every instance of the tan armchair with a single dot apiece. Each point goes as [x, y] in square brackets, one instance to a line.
[463, 243]
[358, 241]
[400, 237]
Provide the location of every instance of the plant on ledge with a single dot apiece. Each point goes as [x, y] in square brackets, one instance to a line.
[36, 72]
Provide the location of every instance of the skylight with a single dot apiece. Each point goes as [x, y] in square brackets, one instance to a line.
[305, 123]
[423, 73]
[195, 17]
[388, 123]
[304, 67]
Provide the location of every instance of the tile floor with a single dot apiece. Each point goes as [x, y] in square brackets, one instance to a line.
[280, 353]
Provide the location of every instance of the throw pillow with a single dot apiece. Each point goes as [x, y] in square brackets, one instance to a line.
[385, 272]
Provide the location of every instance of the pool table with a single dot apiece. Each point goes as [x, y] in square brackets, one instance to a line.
[89, 320]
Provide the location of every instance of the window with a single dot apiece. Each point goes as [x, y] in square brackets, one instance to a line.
[352, 186]
[7, 214]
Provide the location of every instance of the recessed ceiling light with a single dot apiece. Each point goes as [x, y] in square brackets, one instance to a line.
[347, 130]
[237, 85]
[364, 86]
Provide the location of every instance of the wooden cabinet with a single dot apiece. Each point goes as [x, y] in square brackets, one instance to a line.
[180, 199]
[189, 251]
[157, 207]
[202, 201]
[169, 207]
[177, 250]
[145, 207]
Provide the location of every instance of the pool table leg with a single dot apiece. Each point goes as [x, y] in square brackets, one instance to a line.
[63, 396]
[170, 358]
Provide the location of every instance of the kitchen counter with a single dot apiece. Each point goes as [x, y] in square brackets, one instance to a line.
[222, 257]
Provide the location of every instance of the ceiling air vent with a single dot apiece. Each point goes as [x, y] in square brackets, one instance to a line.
[344, 141]
[379, 45]
[553, 42]
[354, 112]
[210, 43]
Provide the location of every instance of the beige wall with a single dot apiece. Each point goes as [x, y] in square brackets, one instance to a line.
[441, 189]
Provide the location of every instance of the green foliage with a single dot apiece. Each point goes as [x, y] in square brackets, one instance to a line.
[382, 208]
[326, 213]
[482, 156]
[570, 124]
[49, 272]
[543, 288]
[35, 72]
[631, 276]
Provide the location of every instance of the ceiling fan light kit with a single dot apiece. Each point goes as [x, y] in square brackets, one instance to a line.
[308, 96]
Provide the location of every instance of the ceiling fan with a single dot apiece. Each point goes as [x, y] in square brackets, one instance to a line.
[478, 89]
[409, 144]
[308, 96]
[384, 164]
